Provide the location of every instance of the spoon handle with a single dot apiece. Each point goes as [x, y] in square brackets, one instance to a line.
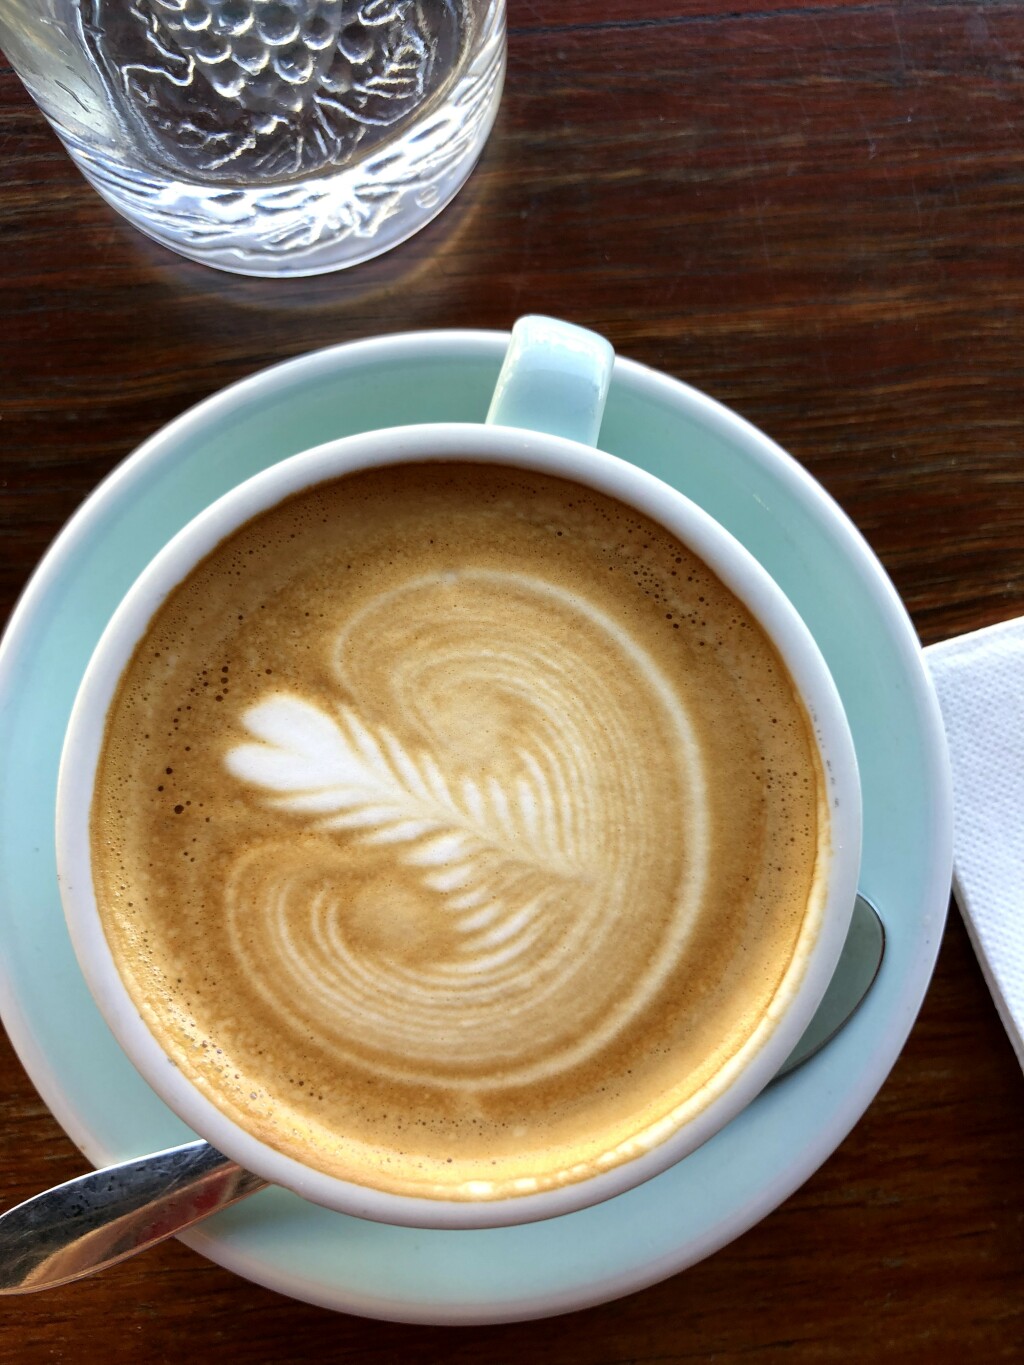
[102, 1217]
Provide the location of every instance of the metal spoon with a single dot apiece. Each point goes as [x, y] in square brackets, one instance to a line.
[107, 1215]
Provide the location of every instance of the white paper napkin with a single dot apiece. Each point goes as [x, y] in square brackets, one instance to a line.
[980, 682]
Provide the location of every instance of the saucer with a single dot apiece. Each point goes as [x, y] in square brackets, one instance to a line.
[803, 539]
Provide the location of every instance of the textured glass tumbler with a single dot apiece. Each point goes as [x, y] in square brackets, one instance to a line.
[266, 137]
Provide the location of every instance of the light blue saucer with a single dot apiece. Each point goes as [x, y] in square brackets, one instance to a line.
[787, 521]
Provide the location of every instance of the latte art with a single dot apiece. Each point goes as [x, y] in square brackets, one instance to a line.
[477, 859]
[455, 830]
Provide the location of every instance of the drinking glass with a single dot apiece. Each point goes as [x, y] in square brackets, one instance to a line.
[266, 137]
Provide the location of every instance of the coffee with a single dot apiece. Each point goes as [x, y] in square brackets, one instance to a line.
[455, 828]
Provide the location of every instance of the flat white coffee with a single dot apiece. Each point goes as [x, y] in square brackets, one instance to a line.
[455, 828]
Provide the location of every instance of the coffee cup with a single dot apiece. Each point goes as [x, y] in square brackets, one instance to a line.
[455, 824]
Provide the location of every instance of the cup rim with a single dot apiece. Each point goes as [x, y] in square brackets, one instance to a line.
[731, 562]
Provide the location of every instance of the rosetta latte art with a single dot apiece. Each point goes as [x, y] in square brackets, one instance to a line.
[480, 835]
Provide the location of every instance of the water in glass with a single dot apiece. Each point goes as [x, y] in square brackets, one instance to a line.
[268, 137]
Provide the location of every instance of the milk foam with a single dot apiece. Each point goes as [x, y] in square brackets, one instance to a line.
[522, 862]
[454, 829]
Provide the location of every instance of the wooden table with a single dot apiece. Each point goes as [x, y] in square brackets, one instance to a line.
[815, 214]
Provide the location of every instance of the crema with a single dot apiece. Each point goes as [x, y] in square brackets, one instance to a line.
[454, 829]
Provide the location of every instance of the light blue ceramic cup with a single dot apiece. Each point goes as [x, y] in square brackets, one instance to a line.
[545, 415]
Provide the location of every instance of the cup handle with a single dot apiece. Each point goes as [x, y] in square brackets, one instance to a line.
[554, 379]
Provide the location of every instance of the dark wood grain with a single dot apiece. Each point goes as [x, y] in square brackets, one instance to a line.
[813, 212]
